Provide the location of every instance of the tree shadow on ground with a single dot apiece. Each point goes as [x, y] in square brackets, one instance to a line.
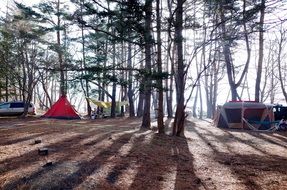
[280, 135]
[156, 159]
[270, 138]
[227, 137]
[73, 178]
[248, 168]
[67, 145]
[185, 176]
[19, 140]
[164, 159]
[87, 168]
[63, 150]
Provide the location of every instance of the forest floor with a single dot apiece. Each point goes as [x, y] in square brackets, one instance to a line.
[115, 154]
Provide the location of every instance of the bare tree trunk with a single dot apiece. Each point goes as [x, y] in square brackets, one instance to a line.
[148, 45]
[227, 55]
[195, 101]
[140, 104]
[199, 83]
[63, 90]
[209, 80]
[170, 57]
[44, 83]
[200, 101]
[124, 77]
[130, 84]
[24, 59]
[272, 79]
[215, 88]
[215, 78]
[6, 88]
[52, 90]
[281, 41]
[154, 96]
[29, 61]
[141, 95]
[25, 68]
[85, 87]
[194, 108]
[208, 72]
[260, 58]
[103, 86]
[227, 39]
[178, 126]
[114, 89]
[160, 123]
[168, 94]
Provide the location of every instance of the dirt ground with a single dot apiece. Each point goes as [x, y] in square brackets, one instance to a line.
[115, 154]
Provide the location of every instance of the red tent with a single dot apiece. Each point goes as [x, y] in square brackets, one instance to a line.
[62, 109]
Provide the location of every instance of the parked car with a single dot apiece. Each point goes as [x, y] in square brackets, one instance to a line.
[15, 108]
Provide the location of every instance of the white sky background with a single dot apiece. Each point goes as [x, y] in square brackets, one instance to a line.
[239, 57]
[3, 3]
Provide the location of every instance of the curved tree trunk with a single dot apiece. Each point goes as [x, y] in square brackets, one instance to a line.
[281, 79]
[227, 54]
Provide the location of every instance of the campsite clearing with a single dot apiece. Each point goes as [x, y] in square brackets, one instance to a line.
[115, 154]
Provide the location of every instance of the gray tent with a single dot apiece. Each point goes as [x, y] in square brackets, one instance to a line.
[245, 115]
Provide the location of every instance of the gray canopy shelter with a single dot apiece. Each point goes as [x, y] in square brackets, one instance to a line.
[245, 115]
